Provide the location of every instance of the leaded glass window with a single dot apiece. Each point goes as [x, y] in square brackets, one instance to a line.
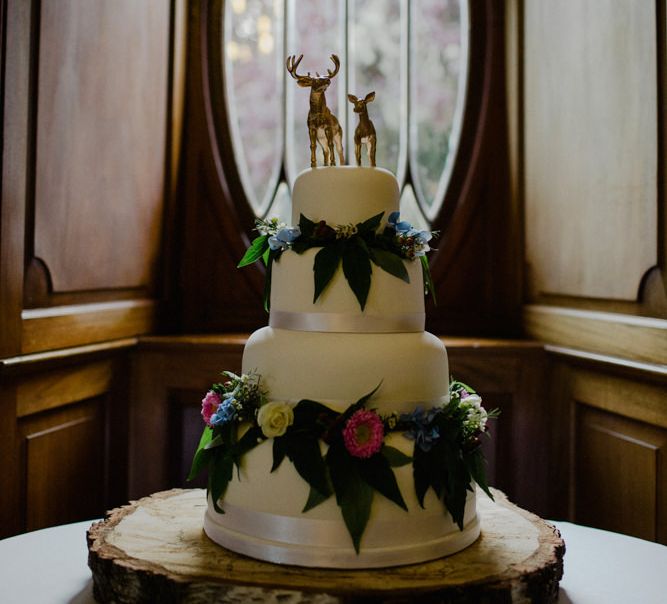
[412, 53]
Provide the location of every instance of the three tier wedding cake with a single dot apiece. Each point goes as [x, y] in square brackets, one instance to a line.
[343, 443]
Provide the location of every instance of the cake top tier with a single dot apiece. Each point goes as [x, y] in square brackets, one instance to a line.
[344, 194]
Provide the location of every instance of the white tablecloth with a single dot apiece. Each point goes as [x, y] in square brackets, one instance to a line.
[50, 567]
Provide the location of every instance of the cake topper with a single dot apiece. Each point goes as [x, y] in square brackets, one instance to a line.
[323, 127]
[365, 132]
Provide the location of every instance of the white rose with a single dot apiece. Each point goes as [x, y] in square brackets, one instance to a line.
[274, 418]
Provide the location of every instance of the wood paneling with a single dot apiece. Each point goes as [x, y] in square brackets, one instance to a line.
[102, 91]
[608, 441]
[590, 122]
[639, 338]
[619, 474]
[92, 108]
[14, 181]
[64, 465]
[63, 326]
[58, 387]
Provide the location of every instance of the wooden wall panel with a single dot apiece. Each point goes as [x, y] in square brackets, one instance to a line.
[619, 474]
[102, 95]
[590, 123]
[608, 441]
[64, 465]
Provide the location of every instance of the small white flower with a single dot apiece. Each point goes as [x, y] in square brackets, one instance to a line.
[474, 400]
[274, 418]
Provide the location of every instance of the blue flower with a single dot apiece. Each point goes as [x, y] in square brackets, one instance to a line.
[398, 226]
[225, 413]
[422, 430]
[420, 242]
[282, 239]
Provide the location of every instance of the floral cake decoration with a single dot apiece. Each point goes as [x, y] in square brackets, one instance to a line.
[357, 462]
[355, 246]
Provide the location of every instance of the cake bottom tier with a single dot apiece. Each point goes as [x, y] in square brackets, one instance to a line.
[263, 520]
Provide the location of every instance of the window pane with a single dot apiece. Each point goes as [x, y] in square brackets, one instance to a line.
[378, 61]
[253, 45]
[315, 30]
[438, 73]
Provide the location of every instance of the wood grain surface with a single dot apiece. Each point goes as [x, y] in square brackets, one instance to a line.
[157, 546]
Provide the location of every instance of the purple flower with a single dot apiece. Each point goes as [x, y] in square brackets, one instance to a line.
[422, 430]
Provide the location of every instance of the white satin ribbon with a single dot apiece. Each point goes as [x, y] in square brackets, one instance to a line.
[347, 322]
[326, 543]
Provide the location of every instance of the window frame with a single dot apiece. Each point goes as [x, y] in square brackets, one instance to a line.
[481, 157]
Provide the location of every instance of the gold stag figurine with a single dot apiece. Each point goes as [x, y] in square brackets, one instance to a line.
[365, 132]
[323, 127]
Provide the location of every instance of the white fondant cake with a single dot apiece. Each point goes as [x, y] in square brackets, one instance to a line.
[333, 352]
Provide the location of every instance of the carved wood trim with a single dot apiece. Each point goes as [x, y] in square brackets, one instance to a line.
[60, 387]
[626, 336]
[65, 326]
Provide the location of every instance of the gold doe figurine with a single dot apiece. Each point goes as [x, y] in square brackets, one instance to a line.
[365, 132]
[323, 127]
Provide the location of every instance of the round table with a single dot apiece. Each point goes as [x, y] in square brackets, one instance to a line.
[50, 566]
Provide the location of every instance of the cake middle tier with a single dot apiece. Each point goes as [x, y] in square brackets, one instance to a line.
[337, 369]
[392, 305]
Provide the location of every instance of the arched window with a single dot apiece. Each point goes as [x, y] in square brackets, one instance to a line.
[413, 53]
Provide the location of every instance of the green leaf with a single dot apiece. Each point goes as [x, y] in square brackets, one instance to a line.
[309, 414]
[248, 441]
[356, 507]
[306, 226]
[314, 499]
[216, 442]
[267, 281]
[256, 250]
[428, 281]
[304, 452]
[324, 268]
[476, 465]
[279, 451]
[456, 478]
[206, 437]
[202, 454]
[340, 466]
[391, 263]
[363, 400]
[371, 225]
[377, 472]
[221, 470]
[266, 255]
[395, 457]
[420, 475]
[357, 269]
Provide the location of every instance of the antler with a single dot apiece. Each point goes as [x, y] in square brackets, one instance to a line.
[336, 63]
[292, 63]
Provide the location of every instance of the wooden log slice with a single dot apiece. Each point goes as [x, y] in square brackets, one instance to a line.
[154, 550]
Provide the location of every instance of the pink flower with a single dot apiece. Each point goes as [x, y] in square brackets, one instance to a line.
[363, 433]
[209, 405]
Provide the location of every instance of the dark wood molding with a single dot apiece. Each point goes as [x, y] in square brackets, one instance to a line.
[67, 326]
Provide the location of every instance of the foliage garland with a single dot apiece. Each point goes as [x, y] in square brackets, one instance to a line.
[353, 246]
[447, 454]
